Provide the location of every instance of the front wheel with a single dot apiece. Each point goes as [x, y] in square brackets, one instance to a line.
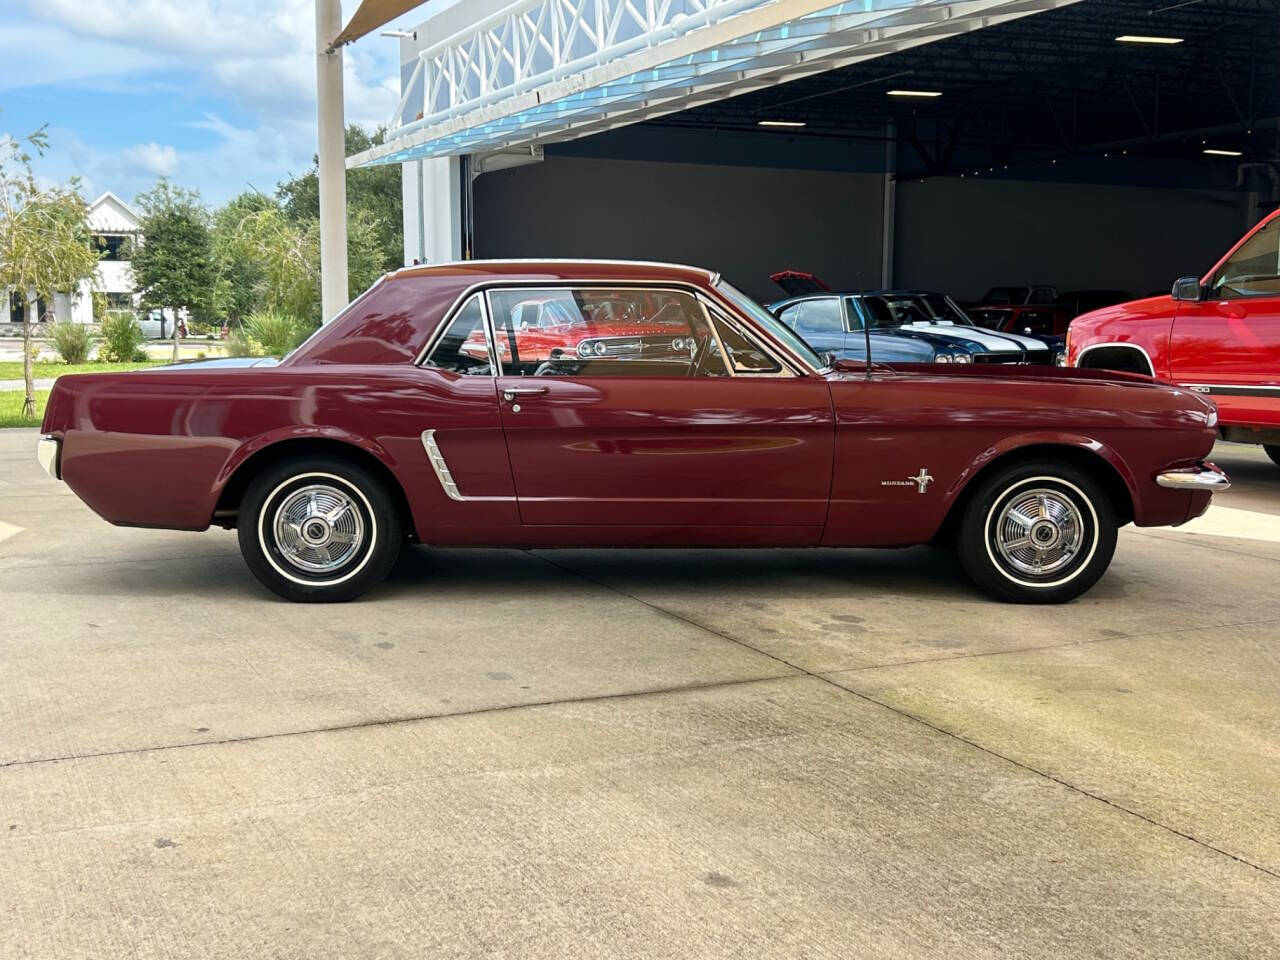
[1037, 532]
[1273, 451]
[318, 530]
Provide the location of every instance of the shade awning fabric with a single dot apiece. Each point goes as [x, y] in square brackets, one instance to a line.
[371, 15]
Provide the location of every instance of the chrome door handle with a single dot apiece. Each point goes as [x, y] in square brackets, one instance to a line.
[510, 393]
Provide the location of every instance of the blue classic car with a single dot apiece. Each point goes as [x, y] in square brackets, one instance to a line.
[904, 316]
[830, 325]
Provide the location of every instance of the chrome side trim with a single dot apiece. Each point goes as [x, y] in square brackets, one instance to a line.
[447, 483]
[1234, 389]
[1208, 478]
[439, 465]
[1120, 343]
[47, 454]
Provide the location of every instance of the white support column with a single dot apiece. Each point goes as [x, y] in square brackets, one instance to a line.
[432, 192]
[888, 213]
[332, 154]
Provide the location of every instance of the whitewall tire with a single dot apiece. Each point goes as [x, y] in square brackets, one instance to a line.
[1037, 532]
[314, 529]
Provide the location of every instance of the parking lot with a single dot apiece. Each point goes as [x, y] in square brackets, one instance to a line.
[636, 754]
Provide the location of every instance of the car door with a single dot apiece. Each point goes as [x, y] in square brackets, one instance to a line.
[653, 417]
[1228, 343]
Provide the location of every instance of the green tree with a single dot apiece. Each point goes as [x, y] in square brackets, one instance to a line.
[45, 242]
[374, 203]
[173, 264]
[286, 255]
[241, 278]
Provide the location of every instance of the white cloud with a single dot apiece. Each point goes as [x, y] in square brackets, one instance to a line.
[260, 54]
[152, 158]
[254, 59]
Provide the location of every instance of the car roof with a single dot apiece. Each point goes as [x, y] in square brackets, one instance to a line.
[553, 269]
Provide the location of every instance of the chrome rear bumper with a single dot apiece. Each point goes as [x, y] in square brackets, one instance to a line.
[1204, 476]
[47, 454]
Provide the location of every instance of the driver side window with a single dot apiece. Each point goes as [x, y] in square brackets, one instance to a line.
[600, 331]
[1253, 270]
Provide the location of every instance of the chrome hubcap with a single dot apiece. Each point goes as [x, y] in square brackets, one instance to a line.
[1039, 532]
[318, 528]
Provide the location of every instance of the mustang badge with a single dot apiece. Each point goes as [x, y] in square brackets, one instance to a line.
[921, 481]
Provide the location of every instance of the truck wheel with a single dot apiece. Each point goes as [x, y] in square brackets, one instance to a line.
[1273, 451]
[1037, 532]
[315, 529]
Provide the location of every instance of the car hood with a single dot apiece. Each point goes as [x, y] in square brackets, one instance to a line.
[797, 283]
[1162, 306]
[987, 339]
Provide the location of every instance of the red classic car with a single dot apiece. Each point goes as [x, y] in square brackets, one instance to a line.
[724, 429]
[1217, 335]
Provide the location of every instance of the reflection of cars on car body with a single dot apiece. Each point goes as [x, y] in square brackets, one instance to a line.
[385, 426]
[1218, 335]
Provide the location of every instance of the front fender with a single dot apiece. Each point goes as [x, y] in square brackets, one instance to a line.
[1045, 438]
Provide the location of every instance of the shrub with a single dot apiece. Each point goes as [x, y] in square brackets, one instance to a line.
[277, 333]
[121, 338]
[238, 344]
[71, 340]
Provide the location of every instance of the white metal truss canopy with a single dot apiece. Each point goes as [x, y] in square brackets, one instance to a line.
[540, 71]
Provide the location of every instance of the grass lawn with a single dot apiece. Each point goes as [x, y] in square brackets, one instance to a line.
[12, 369]
[11, 408]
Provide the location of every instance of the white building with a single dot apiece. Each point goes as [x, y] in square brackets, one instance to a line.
[113, 223]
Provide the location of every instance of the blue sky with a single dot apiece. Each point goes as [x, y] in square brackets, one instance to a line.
[218, 95]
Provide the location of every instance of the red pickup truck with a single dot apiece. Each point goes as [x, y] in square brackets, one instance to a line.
[1217, 335]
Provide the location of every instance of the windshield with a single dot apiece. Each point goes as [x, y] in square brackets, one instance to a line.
[769, 322]
[941, 307]
[886, 311]
[1007, 295]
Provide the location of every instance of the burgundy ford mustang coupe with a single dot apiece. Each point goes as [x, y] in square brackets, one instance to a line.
[697, 419]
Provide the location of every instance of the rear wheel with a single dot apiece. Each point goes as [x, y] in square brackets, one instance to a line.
[1273, 451]
[1037, 532]
[318, 530]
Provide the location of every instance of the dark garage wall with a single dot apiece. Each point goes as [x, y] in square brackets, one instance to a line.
[746, 222]
[964, 236]
[957, 235]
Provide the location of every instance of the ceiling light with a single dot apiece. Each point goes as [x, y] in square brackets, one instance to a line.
[914, 93]
[1140, 38]
[781, 123]
[1215, 152]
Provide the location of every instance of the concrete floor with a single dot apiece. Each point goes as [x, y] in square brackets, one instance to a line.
[636, 754]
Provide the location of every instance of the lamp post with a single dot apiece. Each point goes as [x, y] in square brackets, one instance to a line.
[332, 161]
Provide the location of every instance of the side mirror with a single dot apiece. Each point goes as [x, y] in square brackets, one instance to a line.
[1187, 288]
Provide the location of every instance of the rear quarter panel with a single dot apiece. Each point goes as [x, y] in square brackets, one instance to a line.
[953, 423]
[157, 448]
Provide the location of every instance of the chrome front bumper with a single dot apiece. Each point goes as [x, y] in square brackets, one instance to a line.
[1203, 476]
[47, 454]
